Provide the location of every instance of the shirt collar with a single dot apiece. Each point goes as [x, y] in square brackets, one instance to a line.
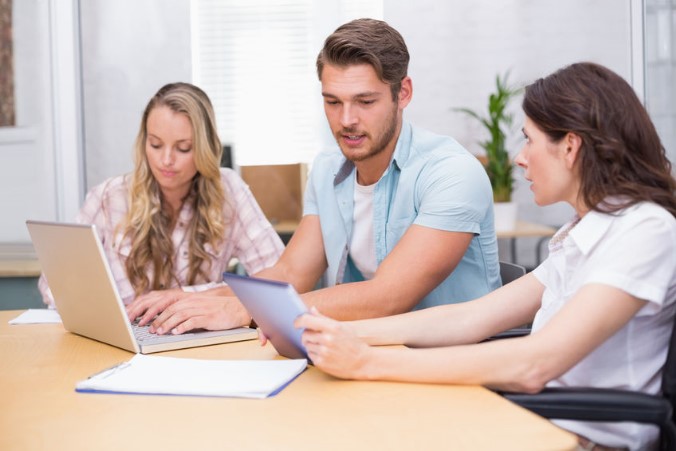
[403, 148]
[345, 170]
[590, 230]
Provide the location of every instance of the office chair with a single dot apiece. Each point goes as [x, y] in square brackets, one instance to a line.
[601, 404]
[510, 272]
[609, 405]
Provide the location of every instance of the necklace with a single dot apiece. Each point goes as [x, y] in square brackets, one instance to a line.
[559, 237]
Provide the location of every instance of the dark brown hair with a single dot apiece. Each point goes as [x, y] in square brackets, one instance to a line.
[621, 154]
[368, 41]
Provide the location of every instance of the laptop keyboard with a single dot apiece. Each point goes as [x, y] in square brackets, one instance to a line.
[143, 335]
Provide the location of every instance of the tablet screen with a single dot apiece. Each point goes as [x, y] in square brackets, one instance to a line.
[274, 306]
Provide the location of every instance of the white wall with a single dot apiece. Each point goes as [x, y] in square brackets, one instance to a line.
[463, 45]
[457, 47]
[130, 48]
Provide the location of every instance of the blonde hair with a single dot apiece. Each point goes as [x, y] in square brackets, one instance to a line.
[148, 225]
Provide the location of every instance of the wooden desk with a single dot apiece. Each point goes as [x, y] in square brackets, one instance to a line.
[40, 409]
[527, 229]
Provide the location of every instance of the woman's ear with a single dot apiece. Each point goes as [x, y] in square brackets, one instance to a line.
[573, 144]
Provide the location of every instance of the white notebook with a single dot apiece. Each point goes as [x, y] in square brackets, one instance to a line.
[155, 375]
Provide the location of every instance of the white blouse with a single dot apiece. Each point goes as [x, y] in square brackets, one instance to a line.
[634, 251]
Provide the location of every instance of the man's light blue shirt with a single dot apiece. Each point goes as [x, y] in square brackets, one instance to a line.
[432, 181]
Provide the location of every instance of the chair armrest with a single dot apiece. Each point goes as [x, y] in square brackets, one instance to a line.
[510, 333]
[596, 404]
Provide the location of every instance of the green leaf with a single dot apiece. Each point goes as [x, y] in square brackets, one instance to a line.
[499, 166]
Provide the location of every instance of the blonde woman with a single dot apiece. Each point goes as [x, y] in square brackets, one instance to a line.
[175, 222]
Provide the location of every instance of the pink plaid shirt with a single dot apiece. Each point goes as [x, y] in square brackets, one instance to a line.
[249, 236]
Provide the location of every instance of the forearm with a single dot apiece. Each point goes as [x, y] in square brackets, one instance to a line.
[445, 325]
[397, 286]
[453, 324]
[303, 261]
[359, 300]
[520, 364]
[283, 273]
[514, 365]
[433, 327]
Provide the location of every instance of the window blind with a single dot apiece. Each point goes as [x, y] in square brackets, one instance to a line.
[256, 61]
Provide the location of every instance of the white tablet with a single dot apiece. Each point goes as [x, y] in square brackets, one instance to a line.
[274, 307]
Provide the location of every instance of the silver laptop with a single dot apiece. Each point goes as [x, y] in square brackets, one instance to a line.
[86, 296]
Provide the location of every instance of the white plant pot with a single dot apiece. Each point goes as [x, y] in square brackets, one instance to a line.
[505, 216]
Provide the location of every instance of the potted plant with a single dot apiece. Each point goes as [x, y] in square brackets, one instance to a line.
[498, 163]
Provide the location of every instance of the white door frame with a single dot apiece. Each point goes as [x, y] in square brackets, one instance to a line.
[66, 102]
[637, 17]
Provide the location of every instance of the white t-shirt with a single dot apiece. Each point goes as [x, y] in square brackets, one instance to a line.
[634, 251]
[362, 243]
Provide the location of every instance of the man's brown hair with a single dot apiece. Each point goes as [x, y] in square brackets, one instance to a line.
[368, 41]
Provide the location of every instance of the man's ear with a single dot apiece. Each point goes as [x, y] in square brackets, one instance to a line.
[573, 144]
[405, 92]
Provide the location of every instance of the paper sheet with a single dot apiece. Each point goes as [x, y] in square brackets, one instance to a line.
[158, 375]
[37, 316]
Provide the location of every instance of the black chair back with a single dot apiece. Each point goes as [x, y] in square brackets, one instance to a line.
[510, 272]
[612, 405]
[669, 372]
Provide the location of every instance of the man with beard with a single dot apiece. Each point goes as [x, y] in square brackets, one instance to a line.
[395, 219]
